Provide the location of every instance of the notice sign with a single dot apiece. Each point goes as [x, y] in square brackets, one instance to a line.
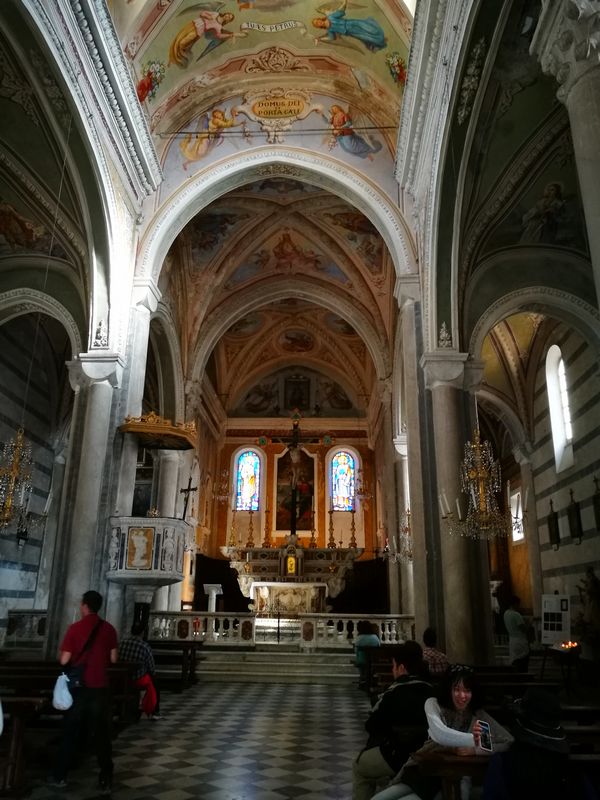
[556, 618]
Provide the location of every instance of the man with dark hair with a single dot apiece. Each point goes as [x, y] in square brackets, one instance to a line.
[436, 660]
[92, 644]
[397, 724]
[136, 649]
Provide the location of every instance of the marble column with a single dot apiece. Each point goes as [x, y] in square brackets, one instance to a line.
[42, 590]
[145, 297]
[411, 414]
[167, 598]
[406, 567]
[144, 303]
[444, 375]
[389, 489]
[565, 42]
[522, 454]
[96, 374]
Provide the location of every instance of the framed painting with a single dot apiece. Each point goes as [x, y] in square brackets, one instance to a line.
[140, 544]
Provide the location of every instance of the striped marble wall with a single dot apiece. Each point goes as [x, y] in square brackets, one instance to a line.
[564, 568]
[29, 393]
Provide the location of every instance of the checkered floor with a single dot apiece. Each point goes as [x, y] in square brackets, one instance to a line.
[235, 742]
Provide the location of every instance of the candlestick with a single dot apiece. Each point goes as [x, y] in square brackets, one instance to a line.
[458, 510]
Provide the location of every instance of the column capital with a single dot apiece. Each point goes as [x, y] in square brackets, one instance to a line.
[566, 41]
[95, 367]
[522, 452]
[444, 368]
[407, 288]
[401, 444]
[146, 293]
[473, 375]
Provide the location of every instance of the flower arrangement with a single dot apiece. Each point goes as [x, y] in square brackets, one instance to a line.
[397, 66]
[152, 74]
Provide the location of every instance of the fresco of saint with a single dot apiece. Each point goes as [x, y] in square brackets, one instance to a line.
[337, 24]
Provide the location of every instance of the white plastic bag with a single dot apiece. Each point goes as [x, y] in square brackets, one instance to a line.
[62, 699]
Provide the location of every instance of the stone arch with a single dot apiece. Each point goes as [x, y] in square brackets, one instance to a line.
[218, 322]
[312, 168]
[17, 302]
[168, 357]
[583, 317]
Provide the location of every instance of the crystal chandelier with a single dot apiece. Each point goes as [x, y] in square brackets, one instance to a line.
[399, 551]
[480, 481]
[15, 479]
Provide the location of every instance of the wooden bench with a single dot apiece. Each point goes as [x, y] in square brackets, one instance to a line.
[175, 663]
[26, 689]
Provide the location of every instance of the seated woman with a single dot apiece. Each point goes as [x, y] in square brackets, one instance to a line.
[366, 638]
[453, 723]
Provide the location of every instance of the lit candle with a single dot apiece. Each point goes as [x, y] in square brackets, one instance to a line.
[458, 509]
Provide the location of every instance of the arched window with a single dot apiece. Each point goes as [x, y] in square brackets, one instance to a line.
[342, 481]
[247, 482]
[560, 412]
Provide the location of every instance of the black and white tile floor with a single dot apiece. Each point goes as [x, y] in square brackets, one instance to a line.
[235, 742]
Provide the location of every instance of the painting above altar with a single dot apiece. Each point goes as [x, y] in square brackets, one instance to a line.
[305, 489]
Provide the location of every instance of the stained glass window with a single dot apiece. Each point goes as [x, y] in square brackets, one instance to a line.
[342, 481]
[247, 488]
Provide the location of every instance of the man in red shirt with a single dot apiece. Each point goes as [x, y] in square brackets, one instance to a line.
[90, 714]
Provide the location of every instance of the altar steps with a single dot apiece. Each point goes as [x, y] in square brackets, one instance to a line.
[276, 664]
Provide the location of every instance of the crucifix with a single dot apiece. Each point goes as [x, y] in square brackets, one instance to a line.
[187, 493]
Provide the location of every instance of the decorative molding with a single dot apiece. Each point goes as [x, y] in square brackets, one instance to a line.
[470, 81]
[14, 88]
[444, 338]
[275, 59]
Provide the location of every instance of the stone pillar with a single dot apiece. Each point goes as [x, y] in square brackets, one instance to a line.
[522, 454]
[406, 567]
[411, 415]
[390, 489]
[42, 589]
[96, 374]
[165, 598]
[444, 375]
[145, 297]
[565, 42]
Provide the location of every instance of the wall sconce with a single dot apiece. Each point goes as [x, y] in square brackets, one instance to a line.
[574, 517]
[553, 532]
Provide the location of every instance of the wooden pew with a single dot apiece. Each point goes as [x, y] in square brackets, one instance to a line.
[176, 663]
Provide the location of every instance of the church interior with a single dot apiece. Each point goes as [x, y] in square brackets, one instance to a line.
[301, 303]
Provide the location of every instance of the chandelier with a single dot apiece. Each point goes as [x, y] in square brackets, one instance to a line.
[15, 480]
[480, 481]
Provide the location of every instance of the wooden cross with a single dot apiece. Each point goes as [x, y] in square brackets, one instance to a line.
[187, 493]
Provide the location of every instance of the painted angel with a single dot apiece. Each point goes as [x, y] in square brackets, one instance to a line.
[208, 25]
[343, 126]
[337, 25]
[194, 146]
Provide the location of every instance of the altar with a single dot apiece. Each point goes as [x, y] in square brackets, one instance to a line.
[290, 579]
[272, 599]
